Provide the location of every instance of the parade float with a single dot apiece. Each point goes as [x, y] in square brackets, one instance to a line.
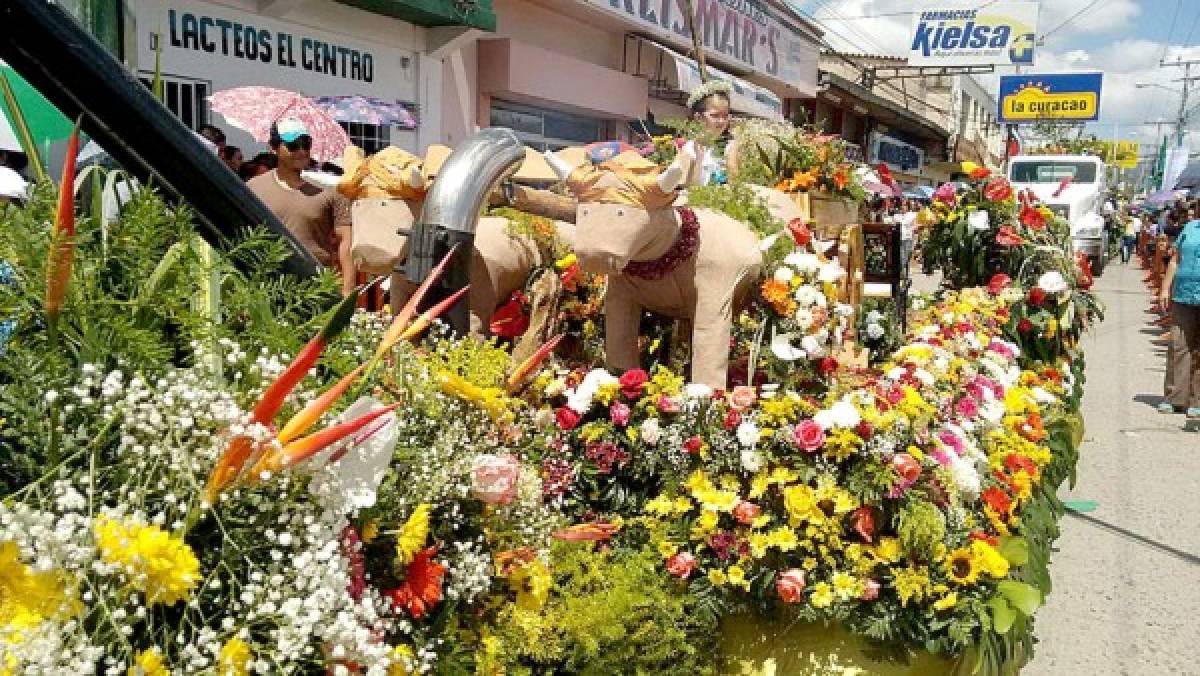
[210, 467]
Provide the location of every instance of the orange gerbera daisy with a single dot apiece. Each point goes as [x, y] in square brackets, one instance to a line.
[841, 178]
[422, 587]
[779, 295]
[802, 180]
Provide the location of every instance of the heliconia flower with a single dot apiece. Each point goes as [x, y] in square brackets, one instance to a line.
[306, 418]
[302, 449]
[229, 466]
[62, 237]
[272, 400]
[402, 319]
[422, 322]
[525, 368]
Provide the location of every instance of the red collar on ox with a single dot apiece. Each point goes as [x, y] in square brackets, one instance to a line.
[684, 248]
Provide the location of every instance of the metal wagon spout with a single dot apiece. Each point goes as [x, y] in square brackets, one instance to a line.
[452, 208]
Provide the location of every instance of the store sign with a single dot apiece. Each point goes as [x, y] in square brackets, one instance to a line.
[214, 34]
[1025, 99]
[1000, 33]
[895, 153]
[739, 33]
[231, 47]
[1123, 154]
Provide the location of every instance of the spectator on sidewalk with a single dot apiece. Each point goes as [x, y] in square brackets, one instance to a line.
[318, 218]
[1133, 225]
[1181, 294]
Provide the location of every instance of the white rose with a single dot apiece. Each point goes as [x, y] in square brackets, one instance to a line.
[747, 433]
[697, 391]
[831, 272]
[874, 317]
[807, 263]
[651, 431]
[784, 275]
[812, 346]
[804, 318]
[845, 414]
[1052, 282]
[978, 220]
[752, 460]
[874, 331]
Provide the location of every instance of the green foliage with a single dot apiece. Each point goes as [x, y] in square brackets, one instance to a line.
[134, 301]
[921, 527]
[739, 202]
[610, 612]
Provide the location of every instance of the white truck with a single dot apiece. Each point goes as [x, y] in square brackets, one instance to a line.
[1075, 188]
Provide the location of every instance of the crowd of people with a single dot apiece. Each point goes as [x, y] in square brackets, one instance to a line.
[1170, 240]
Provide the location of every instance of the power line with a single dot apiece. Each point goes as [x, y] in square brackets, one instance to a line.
[1074, 16]
[884, 15]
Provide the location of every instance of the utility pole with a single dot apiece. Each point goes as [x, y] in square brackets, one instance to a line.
[1181, 116]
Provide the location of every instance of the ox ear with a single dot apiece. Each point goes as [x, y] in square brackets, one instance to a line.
[560, 166]
[416, 179]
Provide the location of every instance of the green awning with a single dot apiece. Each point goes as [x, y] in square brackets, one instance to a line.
[46, 124]
[470, 13]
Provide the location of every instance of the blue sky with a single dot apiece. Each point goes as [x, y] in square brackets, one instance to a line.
[1123, 38]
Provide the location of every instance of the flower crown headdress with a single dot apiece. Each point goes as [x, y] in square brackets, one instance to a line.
[708, 89]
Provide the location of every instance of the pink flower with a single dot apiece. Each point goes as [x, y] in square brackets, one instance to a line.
[667, 404]
[746, 512]
[790, 585]
[681, 565]
[808, 436]
[906, 466]
[952, 440]
[494, 478]
[742, 397]
[966, 407]
[870, 590]
[619, 413]
[945, 194]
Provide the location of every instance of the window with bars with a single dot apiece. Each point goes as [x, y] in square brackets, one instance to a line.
[187, 98]
[370, 137]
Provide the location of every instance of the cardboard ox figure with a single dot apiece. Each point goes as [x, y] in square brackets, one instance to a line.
[692, 264]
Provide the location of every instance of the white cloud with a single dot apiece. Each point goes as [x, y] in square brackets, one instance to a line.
[1077, 56]
[1113, 15]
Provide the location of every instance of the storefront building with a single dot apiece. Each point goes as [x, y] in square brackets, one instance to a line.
[903, 124]
[569, 72]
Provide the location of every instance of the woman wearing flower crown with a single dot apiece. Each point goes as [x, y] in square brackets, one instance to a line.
[715, 154]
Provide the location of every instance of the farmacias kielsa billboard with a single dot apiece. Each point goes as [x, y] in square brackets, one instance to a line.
[999, 33]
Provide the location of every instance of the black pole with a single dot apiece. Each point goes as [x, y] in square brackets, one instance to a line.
[48, 47]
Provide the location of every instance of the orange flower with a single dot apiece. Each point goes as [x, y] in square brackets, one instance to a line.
[779, 295]
[422, 587]
[841, 178]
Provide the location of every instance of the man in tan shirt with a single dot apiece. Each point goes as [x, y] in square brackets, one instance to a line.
[319, 218]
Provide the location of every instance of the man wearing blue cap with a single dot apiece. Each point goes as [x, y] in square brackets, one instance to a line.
[319, 218]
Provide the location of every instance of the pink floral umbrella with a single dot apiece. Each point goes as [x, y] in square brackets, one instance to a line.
[255, 109]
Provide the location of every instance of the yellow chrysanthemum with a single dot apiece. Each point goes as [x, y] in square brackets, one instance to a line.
[844, 585]
[841, 443]
[822, 595]
[801, 504]
[737, 577]
[28, 598]
[715, 500]
[961, 567]
[988, 560]
[759, 543]
[662, 505]
[784, 539]
[160, 565]
[532, 583]
[912, 584]
[717, 577]
[888, 550]
[667, 548]
[412, 536]
[946, 602]
[148, 663]
[402, 661]
[233, 658]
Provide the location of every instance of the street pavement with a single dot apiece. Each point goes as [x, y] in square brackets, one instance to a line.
[1126, 596]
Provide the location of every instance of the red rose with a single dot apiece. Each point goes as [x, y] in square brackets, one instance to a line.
[732, 419]
[1036, 296]
[906, 466]
[864, 429]
[808, 436]
[790, 585]
[800, 232]
[827, 365]
[632, 382]
[997, 190]
[693, 445]
[567, 418]
[681, 565]
[746, 512]
[1024, 326]
[1008, 237]
[998, 283]
[862, 520]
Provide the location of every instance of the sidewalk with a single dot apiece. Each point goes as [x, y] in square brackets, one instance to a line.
[1126, 596]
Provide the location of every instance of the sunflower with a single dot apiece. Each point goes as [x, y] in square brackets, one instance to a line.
[960, 567]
